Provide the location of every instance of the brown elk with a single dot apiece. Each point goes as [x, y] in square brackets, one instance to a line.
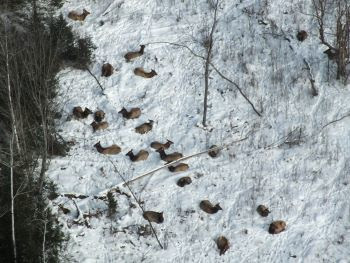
[79, 113]
[78, 17]
[99, 115]
[169, 157]
[263, 210]
[140, 156]
[142, 73]
[302, 35]
[133, 113]
[153, 216]
[214, 153]
[99, 126]
[223, 244]
[184, 181]
[208, 207]
[181, 167]
[333, 54]
[157, 145]
[277, 227]
[144, 128]
[113, 149]
[131, 55]
[107, 70]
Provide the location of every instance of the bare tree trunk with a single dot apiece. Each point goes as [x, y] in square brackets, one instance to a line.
[12, 201]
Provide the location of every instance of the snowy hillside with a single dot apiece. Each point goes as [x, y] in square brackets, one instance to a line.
[291, 161]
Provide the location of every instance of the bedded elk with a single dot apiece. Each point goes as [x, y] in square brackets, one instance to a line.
[153, 216]
[169, 157]
[223, 244]
[142, 73]
[107, 70]
[99, 116]
[184, 181]
[140, 156]
[181, 167]
[144, 128]
[99, 126]
[263, 210]
[214, 153]
[333, 54]
[131, 55]
[133, 113]
[113, 149]
[208, 207]
[302, 35]
[277, 227]
[79, 113]
[78, 17]
[157, 145]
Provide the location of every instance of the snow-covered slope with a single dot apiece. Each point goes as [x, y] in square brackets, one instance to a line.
[305, 183]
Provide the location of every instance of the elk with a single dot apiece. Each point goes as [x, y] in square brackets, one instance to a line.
[107, 70]
[333, 54]
[99, 116]
[157, 145]
[223, 244]
[79, 113]
[78, 17]
[184, 181]
[181, 167]
[263, 210]
[142, 73]
[169, 157]
[277, 227]
[214, 153]
[140, 156]
[153, 216]
[113, 149]
[208, 207]
[131, 55]
[302, 35]
[99, 126]
[133, 113]
[144, 128]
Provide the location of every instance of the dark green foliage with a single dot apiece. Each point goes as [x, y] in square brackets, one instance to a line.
[112, 204]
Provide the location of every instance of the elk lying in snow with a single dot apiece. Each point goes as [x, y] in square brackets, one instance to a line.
[184, 181]
[133, 113]
[277, 227]
[99, 116]
[107, 70]
[333, 54]
[214, 153]
[78, 17]
[99, 126]
[302, 35]
[153, 216]
[158, 145]
[169, 157]
[131, 55]
[223, 244]
[140, 72]
[263, 210]
[141, 156]
[144, 128]
[208, 207]
[79, 113]
[113, 149]
[181, 167]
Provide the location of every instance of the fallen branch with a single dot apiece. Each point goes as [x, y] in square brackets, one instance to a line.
[95, 79]
[311, 78]
[348, 115]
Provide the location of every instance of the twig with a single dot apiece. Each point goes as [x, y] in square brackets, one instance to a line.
[95, 79]
[311, 78]
[348, 115]
[138, 202]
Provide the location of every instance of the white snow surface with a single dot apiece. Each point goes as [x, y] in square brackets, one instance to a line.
[306, 184]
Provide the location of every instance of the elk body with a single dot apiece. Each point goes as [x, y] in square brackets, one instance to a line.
[99, 116]
[214, 153]
[263, 210]
[169, 157]
[142, 73]
[333, 54]
[153, 216]
[99, 126]
[144, 128]
[184, 181]
[208, 207]
[78, 17]
[157, 145]
[133, 113]
[277, 227]
[107, 70]
[140, 156]
[223, 244]
[113, 149]
[131, 55]
[79, 113]
[302, 35]
[181, 167]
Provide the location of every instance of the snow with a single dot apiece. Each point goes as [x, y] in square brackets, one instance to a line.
[305, 184]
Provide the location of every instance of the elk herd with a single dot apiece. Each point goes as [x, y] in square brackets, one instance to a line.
[142, 155]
